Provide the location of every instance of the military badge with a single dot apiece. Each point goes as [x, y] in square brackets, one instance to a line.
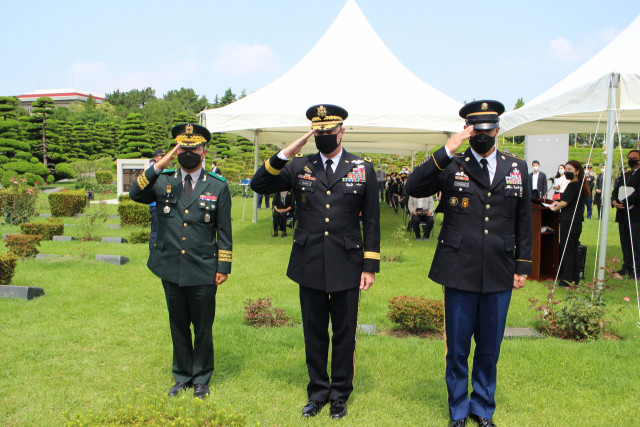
[166, 209]
[322, 111]
[207, 194]
[304, 198]
[189, 128]
[465, 203]
[453, 201]
[484, 106]
[514, 164]
[207, 217]
[466, 160]
[168, 189]
[306, 169]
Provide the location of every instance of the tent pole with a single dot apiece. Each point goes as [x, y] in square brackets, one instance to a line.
[255, 168]
[606, 187]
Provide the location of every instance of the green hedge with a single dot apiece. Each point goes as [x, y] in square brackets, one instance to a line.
[65, 171]
[95, 187]
[46, 230]
[7, 267]
[32, 179]
[24, 167]
[124, 197]
[237, 190]
[140, 236]
[132, 213]
[104, 177]
[67, 203]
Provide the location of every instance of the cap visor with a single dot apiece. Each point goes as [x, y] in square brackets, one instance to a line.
[485, 126]
[186, 144]
[325, 126]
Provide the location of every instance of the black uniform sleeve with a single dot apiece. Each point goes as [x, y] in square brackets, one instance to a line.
[427, 179]
[142, 189]
[274, 176]
[371, 223]
[571, 193]
[635, 197]
[524, 228]
[225, 241]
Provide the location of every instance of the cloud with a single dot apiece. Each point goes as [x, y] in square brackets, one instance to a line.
[238, 59]
[88, 68]
[567, 51]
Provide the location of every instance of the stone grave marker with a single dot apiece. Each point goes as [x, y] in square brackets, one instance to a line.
[63, 238]
[5, 235]
[114, 240]
[113, 226]
[113, 259]
[510, 333]
[45, 215]
[113, 216]
[22, 292]
[46, 256]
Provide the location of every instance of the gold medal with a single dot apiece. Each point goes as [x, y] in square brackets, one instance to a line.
[207, 218]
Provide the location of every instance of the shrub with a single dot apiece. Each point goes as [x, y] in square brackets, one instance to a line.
[124, 197]
[33, 179]
[400, 244]
[237, 190]
[140, 236]
[104, 177]
[67, 203]
[132, 213]
[261, 313]
[50, 179]
[95, 187]
[23, 245]
[87, 227]
[18, 202]
[7, 267]
[24, 167]
[65, 171]
[46, 230]
[7, 178]
[415, 313]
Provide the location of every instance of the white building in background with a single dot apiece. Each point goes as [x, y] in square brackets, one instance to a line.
[61, 97]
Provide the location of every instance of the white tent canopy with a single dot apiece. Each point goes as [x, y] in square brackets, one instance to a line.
[390, 109]
[577, 102]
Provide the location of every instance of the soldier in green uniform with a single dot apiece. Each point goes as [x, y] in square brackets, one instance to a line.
[192, 250]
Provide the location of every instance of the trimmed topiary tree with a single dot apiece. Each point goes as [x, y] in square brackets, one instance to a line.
[134, 139]
[67, 203]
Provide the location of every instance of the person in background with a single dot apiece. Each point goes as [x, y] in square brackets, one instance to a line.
[590, 178]
[538, 181]
[157, 155]
[597, 199]
[421, 210]
[396, 193]
[215, 169]
[560, 182]
[282, 211]
[380, 177]
[261, 196]
[571, 218]
[628, 215]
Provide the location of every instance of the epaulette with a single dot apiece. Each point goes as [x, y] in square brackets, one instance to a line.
[168, 171]
[215, 175]
[366, 159]
[299, 155]
[511, 155]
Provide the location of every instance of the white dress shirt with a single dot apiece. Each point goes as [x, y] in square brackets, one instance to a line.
[324, 158]
[534, 181]
[194, 175]
[491, 161]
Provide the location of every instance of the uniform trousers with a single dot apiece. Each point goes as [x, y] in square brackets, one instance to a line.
[482, 316]
[415, 223]
[589, 206]
[629, 239]
[381, 189]
[280, 220]
[154, 226]
[191, 305]
[342, 307]
[597, 200]
[570, 268]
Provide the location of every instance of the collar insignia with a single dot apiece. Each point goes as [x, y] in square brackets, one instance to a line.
[514, 164]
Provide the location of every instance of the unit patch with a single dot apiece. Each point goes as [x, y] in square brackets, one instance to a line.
[453, 201]
[465, 203]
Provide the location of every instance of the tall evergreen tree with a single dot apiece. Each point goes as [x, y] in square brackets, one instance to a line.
[43, 108]
[81, 141]
[8, 106]
[185, 118]
[157, 135]
[134, 140]
[10, 144]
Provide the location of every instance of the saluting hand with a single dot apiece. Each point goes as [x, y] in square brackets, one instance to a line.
[366, 280]
[295, 147]
[454, 143]
[167, 159]
[221, 278]
[518, 281]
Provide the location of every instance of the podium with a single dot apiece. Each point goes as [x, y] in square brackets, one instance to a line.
[546, 244]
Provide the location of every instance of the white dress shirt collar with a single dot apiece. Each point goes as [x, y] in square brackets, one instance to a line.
[194, 176]
[335, 160]
[491, 162]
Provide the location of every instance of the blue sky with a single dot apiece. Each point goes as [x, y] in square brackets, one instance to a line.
[466, 49]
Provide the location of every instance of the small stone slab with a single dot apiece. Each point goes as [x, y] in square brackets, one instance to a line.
[364, 329]
[114, 216]
[5, 235]
[70, 225]
[45, 215]
[46, 256]
[113, 259]
[113, 226]
[114, 240]
[22, 292]
[510, 333]
[80, 215]
[63, 238]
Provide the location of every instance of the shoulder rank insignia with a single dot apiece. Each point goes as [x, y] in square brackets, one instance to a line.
[215, 175]
[368, 160]
[512, 155]
[168, 171]
[299, 155]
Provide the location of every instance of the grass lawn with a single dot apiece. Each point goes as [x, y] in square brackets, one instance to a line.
[103, 329]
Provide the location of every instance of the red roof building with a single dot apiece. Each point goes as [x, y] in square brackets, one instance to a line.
[61, 97]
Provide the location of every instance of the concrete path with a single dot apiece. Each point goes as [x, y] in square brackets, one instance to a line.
[109, 202]
[52, 190]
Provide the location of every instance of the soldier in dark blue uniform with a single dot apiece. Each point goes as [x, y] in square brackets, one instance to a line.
[331, 260]
[483, 253]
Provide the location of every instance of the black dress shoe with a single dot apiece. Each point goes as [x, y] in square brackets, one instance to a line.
[200, 390]
[338, 409]
[312, 408]
[483, 422]
[275, 234]
[178, 388]
[458, 423]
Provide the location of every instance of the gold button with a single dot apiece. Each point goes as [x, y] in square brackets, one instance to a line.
[354, 191]
[488, 207]
[459, 189]
[441, 241]
[328, 206]
[326, 233]
[328, 193]
[486, 219]
[486, 231]
[357, 246]
[303, 188]
[186, 211]
[184, 239]
[326, 220]
[184, 225]
[489, 194]
[183, 252]
[154, 244]
[166, 201]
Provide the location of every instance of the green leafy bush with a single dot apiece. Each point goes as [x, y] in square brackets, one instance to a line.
[261, 313]
[416, 313]
[18, 202]
[50, 179]
[140, 236]
[65, 171]
[8, 177]
[67, 202]
[33, 179]
[95, 187]
[104, 177]
[46, 229]
[7, 267]
[24, 167]
[237, 190]
[132, 213]
[124, 197]
[23, 245]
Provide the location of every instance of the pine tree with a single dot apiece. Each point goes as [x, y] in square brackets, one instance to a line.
[104, 141]
[10, 143]
[43, 108]
[134, 140]
[81, 141]
[185, 118]
[8, 105]
[157, 135]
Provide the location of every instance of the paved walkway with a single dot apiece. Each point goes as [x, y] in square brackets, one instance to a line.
[109, 202]
[52, 190]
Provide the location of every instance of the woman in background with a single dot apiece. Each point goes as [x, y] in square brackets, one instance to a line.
[560, 182]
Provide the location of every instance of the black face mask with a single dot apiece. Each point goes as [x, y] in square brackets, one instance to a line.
[189, 160]
[482, 142]
[632, 163]
[569, 175]
[327, 144]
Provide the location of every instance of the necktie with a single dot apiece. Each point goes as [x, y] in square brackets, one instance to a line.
[485, 170]
[329, 170]
[187, 187]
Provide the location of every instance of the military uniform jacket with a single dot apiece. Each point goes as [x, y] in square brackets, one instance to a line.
[486, 234]
[632, 179]
[329, 252]
[194, 236]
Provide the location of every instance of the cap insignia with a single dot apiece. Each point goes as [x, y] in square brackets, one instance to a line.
[484, 106]
[189, 127]
[322, 111]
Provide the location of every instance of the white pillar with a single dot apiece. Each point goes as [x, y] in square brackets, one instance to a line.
[606, 182]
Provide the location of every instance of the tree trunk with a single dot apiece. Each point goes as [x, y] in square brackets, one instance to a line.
[44, 140]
